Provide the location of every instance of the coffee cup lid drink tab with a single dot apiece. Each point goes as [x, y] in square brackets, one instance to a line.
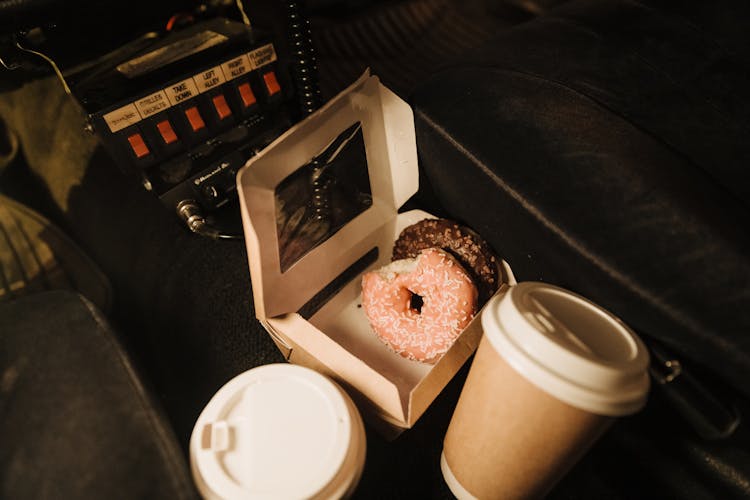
[278, 431]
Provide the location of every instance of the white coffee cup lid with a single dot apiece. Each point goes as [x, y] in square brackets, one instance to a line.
[278, 431]
[569, 347]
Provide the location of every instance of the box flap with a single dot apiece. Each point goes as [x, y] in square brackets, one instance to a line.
[316, 350]
[385, 125]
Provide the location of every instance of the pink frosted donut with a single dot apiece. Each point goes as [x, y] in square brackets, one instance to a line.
[449, 302]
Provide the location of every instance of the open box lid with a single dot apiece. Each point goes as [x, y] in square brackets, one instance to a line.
[387, 130]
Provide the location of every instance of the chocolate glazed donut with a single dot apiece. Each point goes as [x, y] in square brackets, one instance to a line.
[474, 254]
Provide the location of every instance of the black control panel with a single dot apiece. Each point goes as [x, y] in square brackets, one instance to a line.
[184, 110]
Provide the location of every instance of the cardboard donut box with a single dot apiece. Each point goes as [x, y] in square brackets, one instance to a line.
[336, 339]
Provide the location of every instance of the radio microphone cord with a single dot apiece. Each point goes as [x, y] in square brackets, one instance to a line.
[190, 212]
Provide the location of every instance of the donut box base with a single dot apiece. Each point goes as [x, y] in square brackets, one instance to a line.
[337, 339]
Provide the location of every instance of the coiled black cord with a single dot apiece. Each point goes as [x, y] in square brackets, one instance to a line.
[304, 66]
[321, 192]
[305, 76]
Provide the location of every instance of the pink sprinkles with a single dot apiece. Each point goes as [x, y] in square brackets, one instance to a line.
[449, 304]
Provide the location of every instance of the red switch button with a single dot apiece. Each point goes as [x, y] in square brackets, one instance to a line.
[246, 94]
[222, 108]
[139, 147]
[167, 132]
[195, 119]
[272, 84]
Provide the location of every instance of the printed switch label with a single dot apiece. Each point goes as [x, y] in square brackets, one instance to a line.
[236, 67]
[142, 108]
[122, 117]
[181, 91]
[209, 79]
[152, 104]
[262, 56]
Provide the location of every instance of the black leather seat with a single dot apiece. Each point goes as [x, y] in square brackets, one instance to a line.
[77, 422]
[604, 147]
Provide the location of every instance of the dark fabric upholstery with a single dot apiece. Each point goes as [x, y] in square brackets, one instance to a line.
[35, 255]
[605, 149]
[75, 420]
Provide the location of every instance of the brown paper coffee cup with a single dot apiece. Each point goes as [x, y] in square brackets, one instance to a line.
[552, 372]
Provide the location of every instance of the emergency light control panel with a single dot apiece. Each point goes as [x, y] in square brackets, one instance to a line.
[185, 111]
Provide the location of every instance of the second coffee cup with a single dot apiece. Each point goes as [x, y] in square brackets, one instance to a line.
[551, 373]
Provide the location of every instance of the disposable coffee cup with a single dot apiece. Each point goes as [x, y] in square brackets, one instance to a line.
[551, 373]
[278, 431]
